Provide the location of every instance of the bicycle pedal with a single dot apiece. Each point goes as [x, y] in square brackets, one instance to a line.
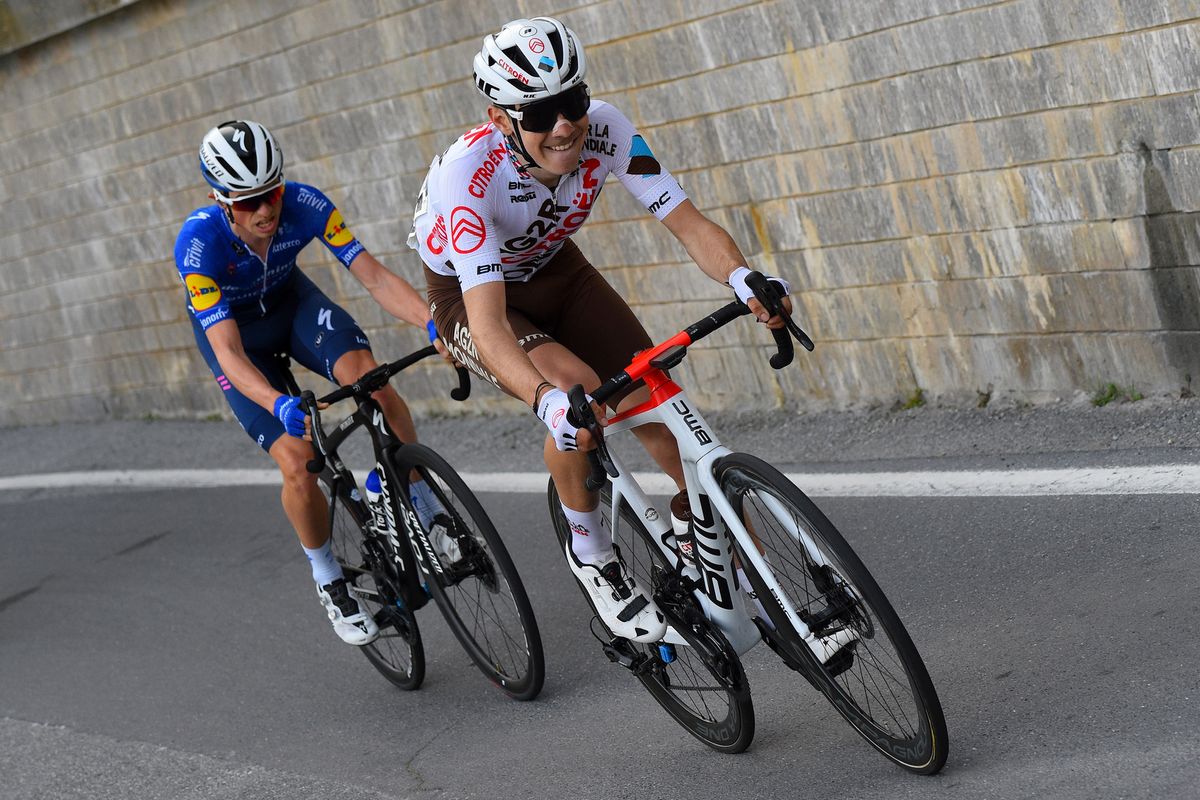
[620, 652]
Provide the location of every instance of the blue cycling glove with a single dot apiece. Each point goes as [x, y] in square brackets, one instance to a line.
[433, 334]
[287, 411]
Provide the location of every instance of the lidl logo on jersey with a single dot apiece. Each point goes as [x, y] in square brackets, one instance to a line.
[641, 159]
[336, 232]
[202, 291]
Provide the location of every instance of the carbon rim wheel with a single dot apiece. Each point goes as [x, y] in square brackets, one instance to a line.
[878, 682]
[480, 594]
[703, 686]
[398, 653]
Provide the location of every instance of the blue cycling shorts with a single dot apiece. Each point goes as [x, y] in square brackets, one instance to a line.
[301, 322]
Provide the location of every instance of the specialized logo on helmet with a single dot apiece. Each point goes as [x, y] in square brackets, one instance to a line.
[641, 159]
[336, 232]
[203, 291]
[466, 230]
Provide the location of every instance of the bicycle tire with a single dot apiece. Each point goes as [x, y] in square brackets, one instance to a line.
[878, 683]
[707, 668]
[398, 654]
[481, 595]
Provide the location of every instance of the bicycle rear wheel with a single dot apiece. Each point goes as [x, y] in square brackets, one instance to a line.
[878, 682]
[480, 594]
[701, 685]
[398, 653]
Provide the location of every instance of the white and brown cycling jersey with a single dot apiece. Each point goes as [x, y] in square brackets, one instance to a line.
[480, 218]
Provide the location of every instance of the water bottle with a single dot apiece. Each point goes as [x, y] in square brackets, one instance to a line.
[681, 526]
[375, 502]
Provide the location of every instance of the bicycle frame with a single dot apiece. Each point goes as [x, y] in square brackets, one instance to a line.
[700, 451]
[384, 443]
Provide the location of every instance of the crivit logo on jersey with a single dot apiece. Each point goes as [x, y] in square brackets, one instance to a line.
[194, 252]
[308, 198]
[202, 291]
[336, 232]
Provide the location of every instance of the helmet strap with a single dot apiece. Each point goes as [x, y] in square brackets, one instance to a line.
[515, 142]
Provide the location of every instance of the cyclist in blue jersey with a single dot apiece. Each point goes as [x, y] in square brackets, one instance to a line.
[519, 303]
[249, 301]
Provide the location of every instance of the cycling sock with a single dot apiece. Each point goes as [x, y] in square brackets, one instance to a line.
[325, 568]
[425, 502]
[590, 543]
[749, 590]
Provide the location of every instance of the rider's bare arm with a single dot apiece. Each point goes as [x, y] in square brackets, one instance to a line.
[226, 341]
[396, 295]
[714, 251]
[496, 342]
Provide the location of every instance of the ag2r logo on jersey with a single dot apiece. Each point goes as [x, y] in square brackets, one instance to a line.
[466, 230]
[336, 232]
[203, 291]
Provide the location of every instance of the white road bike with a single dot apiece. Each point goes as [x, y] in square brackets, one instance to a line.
[827, 618]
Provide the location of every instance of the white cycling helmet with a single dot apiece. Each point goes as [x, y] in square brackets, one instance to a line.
[529, 60]
[240, 156]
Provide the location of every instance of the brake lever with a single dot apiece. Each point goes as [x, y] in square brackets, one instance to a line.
[463, 391]
[769, 294]
[580, 415]
[308, 401]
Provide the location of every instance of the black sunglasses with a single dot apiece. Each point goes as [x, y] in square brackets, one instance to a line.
[540, 117]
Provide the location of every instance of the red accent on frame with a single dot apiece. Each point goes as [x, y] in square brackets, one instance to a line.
[661, 387]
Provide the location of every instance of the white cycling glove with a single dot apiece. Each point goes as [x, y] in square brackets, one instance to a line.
[552, 410]
[737, 279]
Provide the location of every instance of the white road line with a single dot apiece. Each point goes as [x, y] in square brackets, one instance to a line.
[1157, 479]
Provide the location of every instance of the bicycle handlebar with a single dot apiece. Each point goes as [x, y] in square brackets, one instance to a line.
[768, 294]
[366, 385]
[580, 415]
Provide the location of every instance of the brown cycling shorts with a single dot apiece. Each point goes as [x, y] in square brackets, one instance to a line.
[568, 302]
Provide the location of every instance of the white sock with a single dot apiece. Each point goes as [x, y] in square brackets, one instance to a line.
[425, 502]
[590, 543]
[325, 568]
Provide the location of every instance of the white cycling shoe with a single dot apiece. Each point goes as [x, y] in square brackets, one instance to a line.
[622, 605]
[351, 622]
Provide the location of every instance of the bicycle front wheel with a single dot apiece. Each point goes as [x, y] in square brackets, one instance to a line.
[877, 681]
[398, 653]
[701, 684]
[478, 590]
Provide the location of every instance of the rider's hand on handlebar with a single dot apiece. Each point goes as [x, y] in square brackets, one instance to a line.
[552, 411]
[737, 280]
[288, 411]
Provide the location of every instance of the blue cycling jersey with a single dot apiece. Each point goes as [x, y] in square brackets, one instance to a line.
[225, 278]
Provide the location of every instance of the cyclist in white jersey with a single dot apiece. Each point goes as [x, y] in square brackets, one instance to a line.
[518, 303]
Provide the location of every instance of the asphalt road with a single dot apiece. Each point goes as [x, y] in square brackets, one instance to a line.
[169, 644]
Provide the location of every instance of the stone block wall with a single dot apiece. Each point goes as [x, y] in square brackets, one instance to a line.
[968, 196]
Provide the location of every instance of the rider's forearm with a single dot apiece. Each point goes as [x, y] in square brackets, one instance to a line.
[709, 245]
[715, 252]
[396, 295]
[504, 358]
[245, 377]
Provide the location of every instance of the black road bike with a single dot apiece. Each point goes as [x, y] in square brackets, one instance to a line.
[389, 557]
